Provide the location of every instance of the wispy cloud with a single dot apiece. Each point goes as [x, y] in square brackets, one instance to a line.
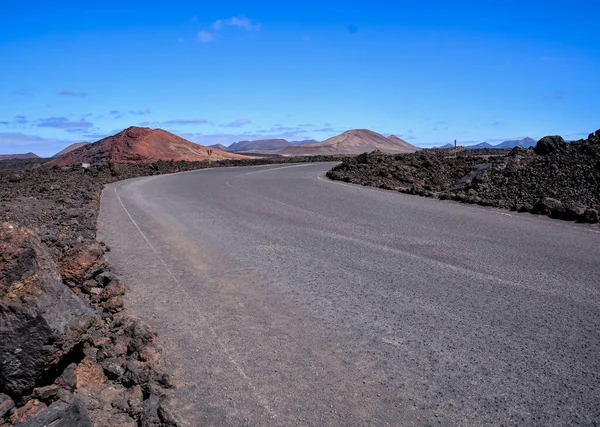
[175, 122]
[64, 123]
[20, 138]
[95, 136]
[20, 120]
[17, 120]
[140, 112]
[15, 142]
[558, 95]
[237, 123]
[281, 128]
[23, 92]
[205, 36]
[184, 122]
[229, 138]
[72, 94]
[238, 22]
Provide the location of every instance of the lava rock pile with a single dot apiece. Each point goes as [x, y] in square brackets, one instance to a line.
[555, 178]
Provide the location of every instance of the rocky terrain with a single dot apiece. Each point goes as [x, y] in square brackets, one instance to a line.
[70, 355]
[554, 178]
[352, 142]
[21, 164]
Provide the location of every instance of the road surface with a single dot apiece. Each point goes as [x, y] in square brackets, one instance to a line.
[285, 299]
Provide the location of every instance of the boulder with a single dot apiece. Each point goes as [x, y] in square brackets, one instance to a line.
[60, 415]
[6, 405]
[549, 144]
[77, 261]
[548, 206]
[41, 320]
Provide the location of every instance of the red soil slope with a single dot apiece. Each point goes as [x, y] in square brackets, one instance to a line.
[352, 142]
[140, 145]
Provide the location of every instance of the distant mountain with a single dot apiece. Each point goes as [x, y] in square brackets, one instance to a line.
[479, 146]
[71, 148]
[303, 142]
[351, 142]
[19, 156]
[219, 147]
[525, 143]
[258, 145]
[446, 146]
[140, 145]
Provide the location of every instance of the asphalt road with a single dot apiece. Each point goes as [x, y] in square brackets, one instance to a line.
[285, 299]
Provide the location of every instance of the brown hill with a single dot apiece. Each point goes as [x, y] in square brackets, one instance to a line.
[402, 143]
[70, 148]
[352, 142]
[259, 145]
[19, 156]
[140, 145]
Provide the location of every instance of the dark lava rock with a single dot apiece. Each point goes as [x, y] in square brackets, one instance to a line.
[68, 376]
[150, 417]
[41, 320]
[113, 367]
[549, 144]
[549, 206]
[61, 415]
[591, 215]
[558, 179]
[6, 404]
[423, 172]
[46, 392]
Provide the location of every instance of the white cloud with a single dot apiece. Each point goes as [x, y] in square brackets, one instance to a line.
[205, 36]
[238, 22]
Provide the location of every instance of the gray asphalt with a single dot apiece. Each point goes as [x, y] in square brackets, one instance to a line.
[284, 299]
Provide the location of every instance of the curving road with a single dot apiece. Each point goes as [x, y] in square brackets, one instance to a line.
[285, 299]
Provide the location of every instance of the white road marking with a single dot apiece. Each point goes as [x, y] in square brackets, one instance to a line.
[263, 402]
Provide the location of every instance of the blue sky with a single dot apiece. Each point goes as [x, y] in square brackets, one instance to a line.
[428, 71]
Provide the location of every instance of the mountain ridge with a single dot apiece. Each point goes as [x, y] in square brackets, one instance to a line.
[354, 141]
[29, 155]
